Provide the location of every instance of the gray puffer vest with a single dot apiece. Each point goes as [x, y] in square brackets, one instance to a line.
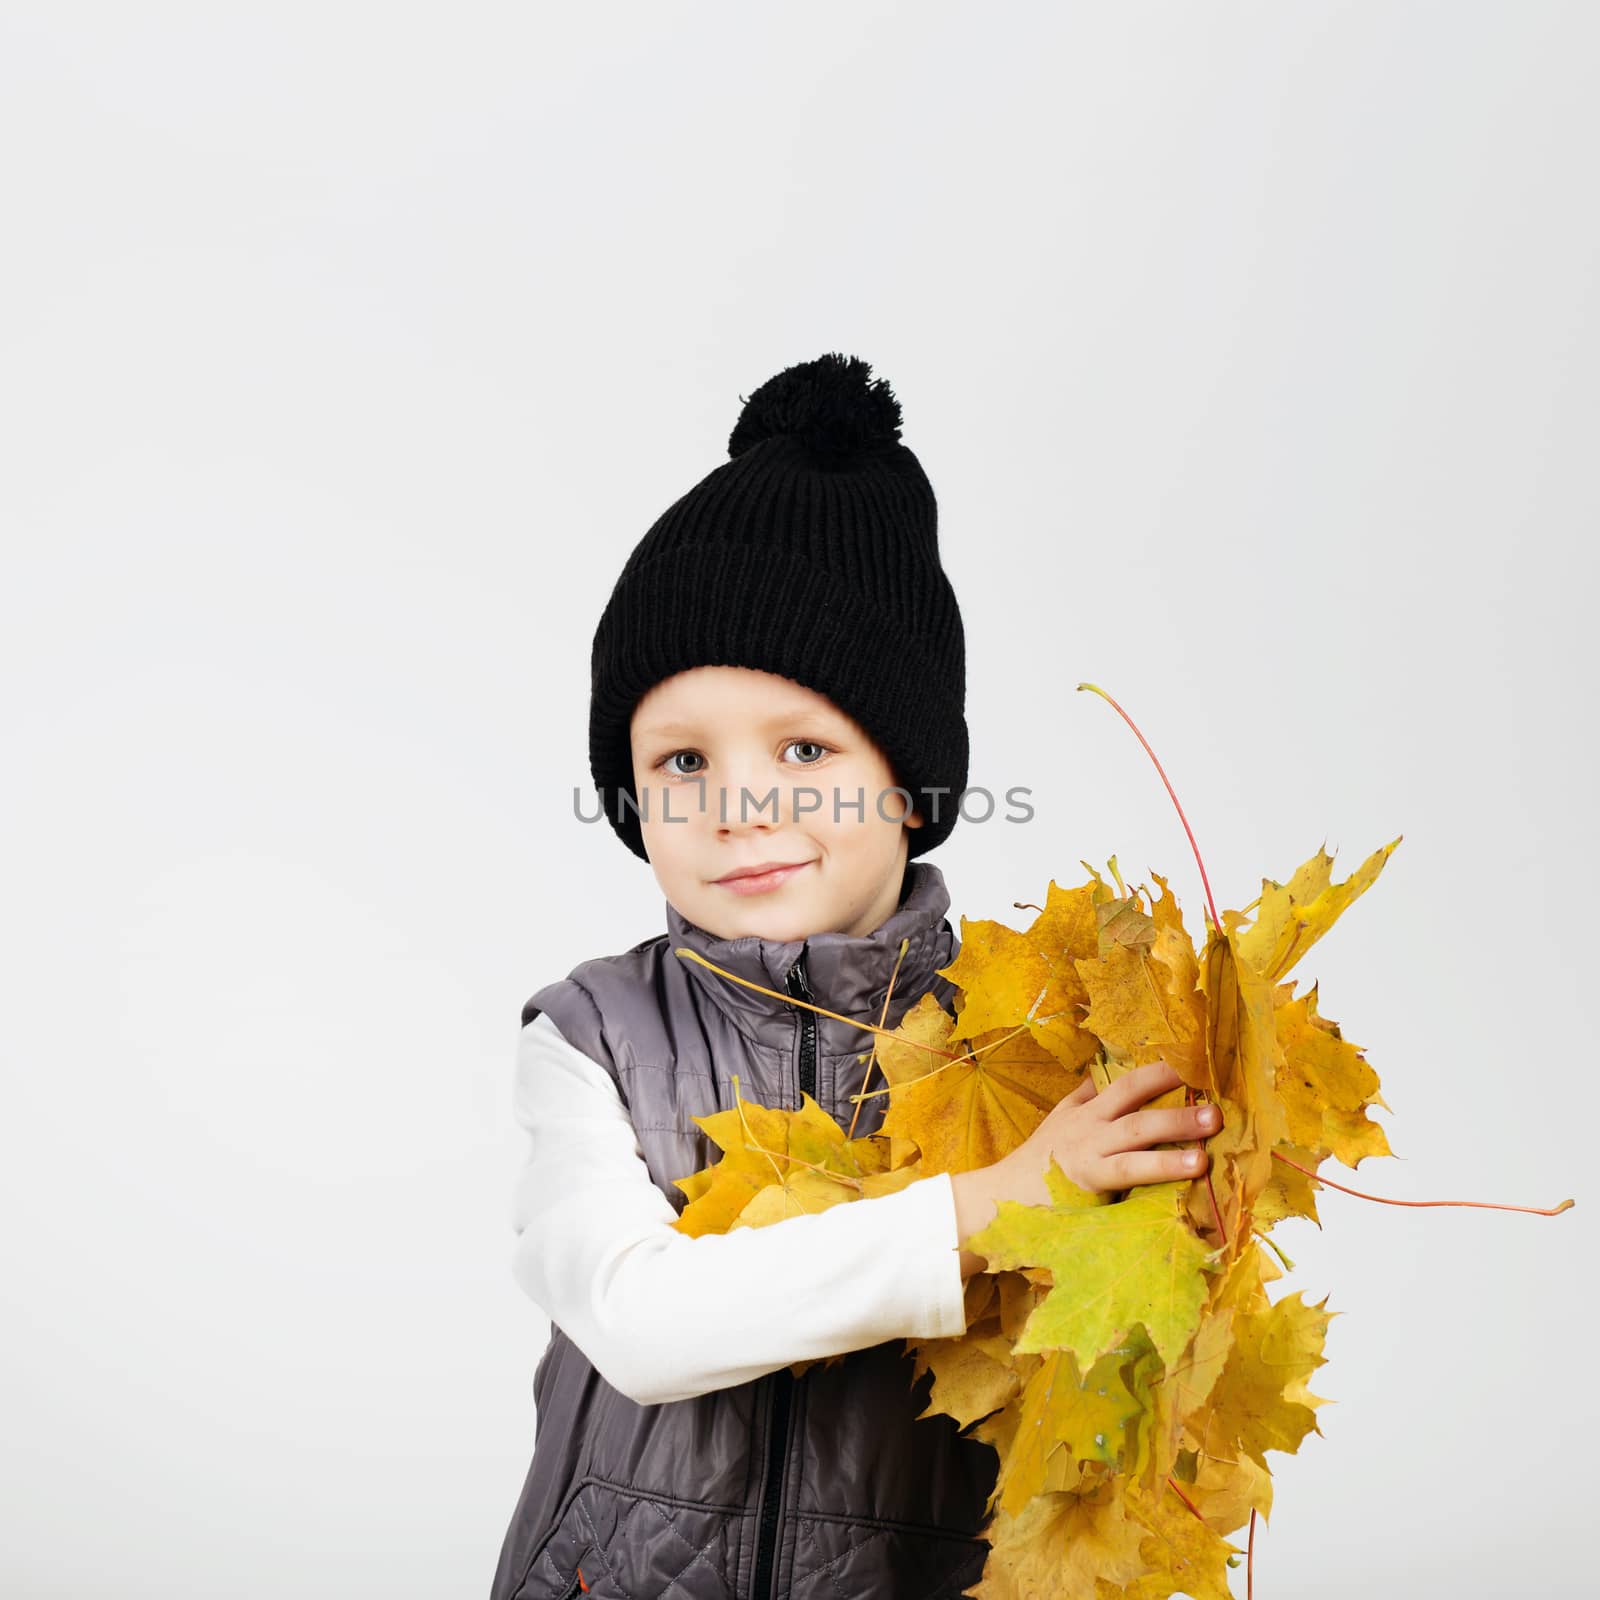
[820, 1487]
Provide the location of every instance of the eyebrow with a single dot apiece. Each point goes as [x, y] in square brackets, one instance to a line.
[800, 714]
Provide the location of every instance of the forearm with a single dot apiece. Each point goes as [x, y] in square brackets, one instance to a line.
[664, 1316]
[978, 1194]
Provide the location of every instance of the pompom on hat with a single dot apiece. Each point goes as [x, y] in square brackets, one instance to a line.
[811, 553]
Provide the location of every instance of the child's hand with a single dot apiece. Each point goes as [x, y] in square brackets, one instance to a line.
[1102, 1140]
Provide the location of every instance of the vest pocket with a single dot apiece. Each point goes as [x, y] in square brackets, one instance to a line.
[581, 1576]
[837, 1555]
[636, 1545]
[572, 1563]
[579, 1584]
[578, 1560]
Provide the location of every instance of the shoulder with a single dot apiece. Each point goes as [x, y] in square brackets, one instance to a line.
[599, 978]
[610, 1009]
[554, 1077]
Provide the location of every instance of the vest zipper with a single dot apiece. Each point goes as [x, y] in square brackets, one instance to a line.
[798, 987]
[783, 1379]
[777, 1456]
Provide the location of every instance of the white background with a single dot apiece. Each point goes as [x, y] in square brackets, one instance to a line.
[347, 351]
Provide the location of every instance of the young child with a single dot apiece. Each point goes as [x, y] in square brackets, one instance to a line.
[777, 726]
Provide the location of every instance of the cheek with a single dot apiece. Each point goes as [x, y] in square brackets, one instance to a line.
[878, 811]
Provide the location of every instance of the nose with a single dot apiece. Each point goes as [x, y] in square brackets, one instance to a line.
[744, 807]
[748, 797]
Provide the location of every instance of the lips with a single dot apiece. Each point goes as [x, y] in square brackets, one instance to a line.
[761, 880]
[758, 871]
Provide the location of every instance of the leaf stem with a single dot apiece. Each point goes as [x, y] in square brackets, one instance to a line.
[1216, 921]
[933, 1072]
[1183, 1497]
[1288, 1264]
[883, 1018]
[1250, 1559]
[749, 1132]
[822, 1011]
[1487, 1205]
[783, 1155]
[1217, 1209]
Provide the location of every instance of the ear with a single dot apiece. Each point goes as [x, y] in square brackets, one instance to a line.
[914, 820]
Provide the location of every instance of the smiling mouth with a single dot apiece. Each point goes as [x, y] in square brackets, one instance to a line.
[760, 882]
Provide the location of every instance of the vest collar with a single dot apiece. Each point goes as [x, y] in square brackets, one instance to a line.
[847, 973]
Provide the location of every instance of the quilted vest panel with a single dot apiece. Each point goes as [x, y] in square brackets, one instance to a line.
[815, 1487]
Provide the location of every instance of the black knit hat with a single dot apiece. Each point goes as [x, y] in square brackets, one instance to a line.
[812, 553]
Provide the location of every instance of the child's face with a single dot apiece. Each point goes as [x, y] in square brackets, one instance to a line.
[714, 730]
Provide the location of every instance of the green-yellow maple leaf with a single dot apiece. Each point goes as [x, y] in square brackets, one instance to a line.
[1059, 1410]
[1137, 1262]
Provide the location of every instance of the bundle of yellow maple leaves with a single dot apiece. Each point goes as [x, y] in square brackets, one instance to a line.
[1122, 1355]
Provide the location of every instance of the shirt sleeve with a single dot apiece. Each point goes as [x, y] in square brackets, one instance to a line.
[664, 1316]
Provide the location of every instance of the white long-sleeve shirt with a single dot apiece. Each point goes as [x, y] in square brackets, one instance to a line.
[664, 1316]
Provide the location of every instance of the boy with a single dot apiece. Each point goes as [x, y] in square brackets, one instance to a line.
[793, 601]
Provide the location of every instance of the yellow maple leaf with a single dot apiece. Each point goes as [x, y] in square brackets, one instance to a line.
[1059, 1545]
[1260, 1401]
[1012, 979]
[767, 1148]
[1326, 1085]
[1291, 917]
[969, 1111]
[1145, 999]
[972, 1372]
[1178, 968]
[1181, 1552]
[1243, 1057]
[1129, 1004]
[972, 1375]
[1289, 1192]
[800, 1194]
[1226, 1492]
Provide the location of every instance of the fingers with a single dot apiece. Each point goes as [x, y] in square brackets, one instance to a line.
[1134, 1088]
[1102, 1140]
[1134, 1167]
[1160, 1125]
